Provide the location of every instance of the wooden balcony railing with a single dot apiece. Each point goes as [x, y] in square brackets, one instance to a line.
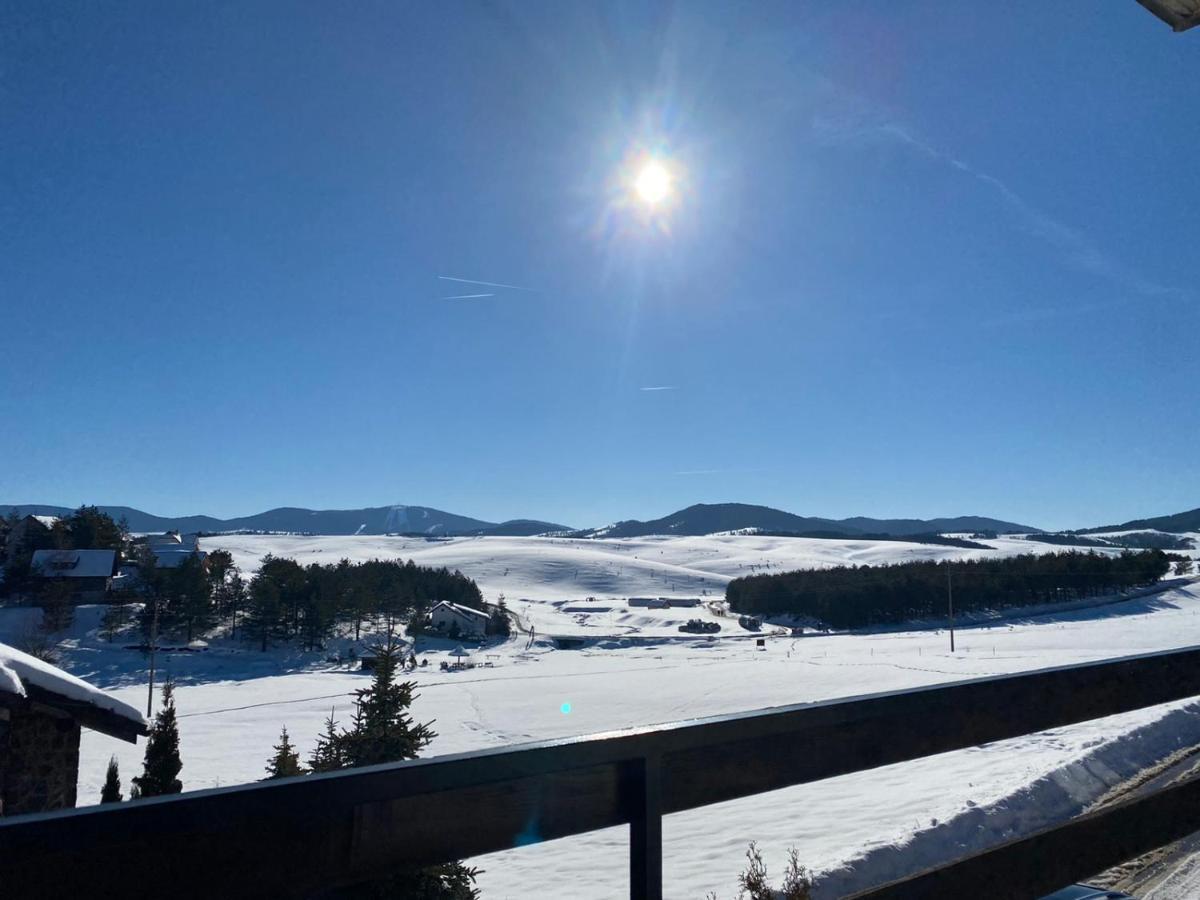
[301, 837]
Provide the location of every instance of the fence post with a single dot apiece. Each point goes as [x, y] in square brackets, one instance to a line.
[645, 829]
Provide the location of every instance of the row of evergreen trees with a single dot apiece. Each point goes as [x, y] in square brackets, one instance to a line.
[859, 596]
[286, 601]
[289, 602]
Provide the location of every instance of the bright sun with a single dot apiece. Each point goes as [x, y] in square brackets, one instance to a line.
[653, 183]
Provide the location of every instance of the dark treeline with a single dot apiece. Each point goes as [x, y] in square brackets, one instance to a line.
[87, 528]
[289, 602]
[858, 596]
[1138, 540]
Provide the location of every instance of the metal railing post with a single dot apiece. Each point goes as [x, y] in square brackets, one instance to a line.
[645, 830]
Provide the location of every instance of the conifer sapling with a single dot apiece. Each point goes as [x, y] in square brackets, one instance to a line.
[111, 792]
[161, 766]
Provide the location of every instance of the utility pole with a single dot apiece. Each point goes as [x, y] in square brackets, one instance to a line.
[950, 605]
[153, 647]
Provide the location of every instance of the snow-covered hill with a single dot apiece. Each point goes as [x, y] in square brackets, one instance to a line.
[548, 580]
[233, 700]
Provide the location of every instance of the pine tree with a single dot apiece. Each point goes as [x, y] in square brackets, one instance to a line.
[265, 611]
[499, 624]
[58, 611]
[327, 755]
[191, 594]
[151, 583]
[286, 762]
[383, 731]
[88, 528]
[161, 766]
[111, 792]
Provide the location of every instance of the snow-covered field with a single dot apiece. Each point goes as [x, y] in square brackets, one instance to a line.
[547, 580]
[233, 700]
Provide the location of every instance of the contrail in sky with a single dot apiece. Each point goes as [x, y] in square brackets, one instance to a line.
[467, 296]
[1073, 245]
[511, 287]
[661, 387]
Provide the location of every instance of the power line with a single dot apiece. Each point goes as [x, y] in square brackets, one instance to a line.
[213, 712]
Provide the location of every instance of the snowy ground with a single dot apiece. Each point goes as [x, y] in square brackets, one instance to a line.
[233, 700]
[547, 580]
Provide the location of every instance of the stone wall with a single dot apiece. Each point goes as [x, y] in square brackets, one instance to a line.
[39, 760]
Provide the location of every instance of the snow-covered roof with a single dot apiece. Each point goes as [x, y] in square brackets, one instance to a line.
[74, 563]
[461, 610]
[48, 521]
[28, 676]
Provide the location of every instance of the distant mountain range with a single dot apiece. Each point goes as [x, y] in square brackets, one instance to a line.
[372, 520]
[1180, 522]
[703, 518]
[707, 518]
[695, 520]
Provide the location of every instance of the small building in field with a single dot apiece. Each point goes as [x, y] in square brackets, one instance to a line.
[681, 602]
[89, 573]
[42, 709]
[454, 618]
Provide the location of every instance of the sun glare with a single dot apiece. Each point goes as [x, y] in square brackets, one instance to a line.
[653, 183]
[646, 191]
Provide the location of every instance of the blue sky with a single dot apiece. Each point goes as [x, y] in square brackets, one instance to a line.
[919, 259]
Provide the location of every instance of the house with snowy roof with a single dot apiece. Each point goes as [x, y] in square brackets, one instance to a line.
[42, 709]
[454, 618]
[89, 573]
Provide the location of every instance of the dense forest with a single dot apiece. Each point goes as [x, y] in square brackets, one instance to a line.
[283, 602]
[858, 596]
[1137, 540]
[289, 602]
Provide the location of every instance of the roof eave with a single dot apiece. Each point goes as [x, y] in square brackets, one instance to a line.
[104, 721]
[1177, 20]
